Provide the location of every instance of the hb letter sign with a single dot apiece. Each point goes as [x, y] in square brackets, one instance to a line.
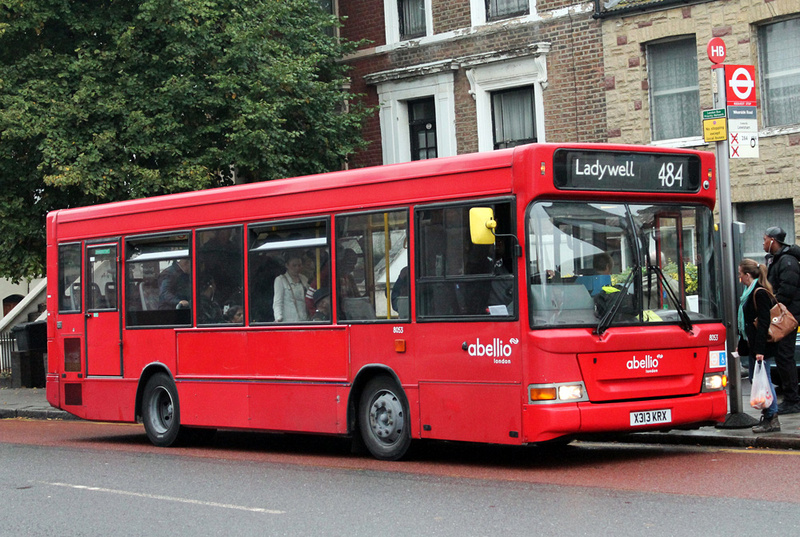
[716, 50]
[740, 85]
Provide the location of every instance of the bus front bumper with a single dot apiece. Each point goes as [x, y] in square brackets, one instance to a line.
[544, 422]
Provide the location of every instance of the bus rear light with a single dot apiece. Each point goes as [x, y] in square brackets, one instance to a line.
[713, 382]
[557, 393]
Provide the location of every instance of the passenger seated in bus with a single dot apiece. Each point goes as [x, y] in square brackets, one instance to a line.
[267, 267]
[289, 302]
[322, 305]
[602, 265]
[323, 275]
[175, 285]
[501, 294]
[400, 290]
[347, 287]
[208, 311]
[234, 315]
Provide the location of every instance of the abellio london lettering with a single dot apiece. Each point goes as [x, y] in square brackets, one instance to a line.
[497, 349]
[649, 363]
[597, 170]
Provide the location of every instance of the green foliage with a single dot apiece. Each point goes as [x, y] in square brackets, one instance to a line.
[671, 270]
[689, 275]
[111, 100]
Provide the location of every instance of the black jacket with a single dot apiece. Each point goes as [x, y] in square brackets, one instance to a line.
[784, 275]
[758, 309]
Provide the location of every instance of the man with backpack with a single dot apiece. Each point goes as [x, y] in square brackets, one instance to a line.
[783, 272]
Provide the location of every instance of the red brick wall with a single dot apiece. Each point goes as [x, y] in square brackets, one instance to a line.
[574, 100]
[363, 19]
[450, 15]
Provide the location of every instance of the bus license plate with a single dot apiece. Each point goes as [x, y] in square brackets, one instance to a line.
[650, 417]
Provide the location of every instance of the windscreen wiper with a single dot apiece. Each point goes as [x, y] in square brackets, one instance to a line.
[686, 322]
[609, 315]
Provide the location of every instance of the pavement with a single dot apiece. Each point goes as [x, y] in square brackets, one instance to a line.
[31, 403]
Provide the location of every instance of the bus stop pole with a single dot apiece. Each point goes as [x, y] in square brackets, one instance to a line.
[737, 419]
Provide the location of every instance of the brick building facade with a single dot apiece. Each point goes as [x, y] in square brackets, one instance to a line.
[464, 64]
[648, 87]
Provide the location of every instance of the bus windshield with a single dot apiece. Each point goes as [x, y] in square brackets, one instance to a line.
[611, 264]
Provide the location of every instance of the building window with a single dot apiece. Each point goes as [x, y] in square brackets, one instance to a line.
[407, 19]
[422, 128]
[498, 87]
[412, 18]
[674, 89]
[503, 9]
[513, 117]
[397, 95]
[780, 72]
[329, 9]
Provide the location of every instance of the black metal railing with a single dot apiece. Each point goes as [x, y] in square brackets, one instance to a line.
[6, 348]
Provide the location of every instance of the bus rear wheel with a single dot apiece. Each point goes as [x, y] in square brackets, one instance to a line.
[161, 411]
[383, 419]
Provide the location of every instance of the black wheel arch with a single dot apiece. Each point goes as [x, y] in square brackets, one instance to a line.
[364, 375]
[147, 374]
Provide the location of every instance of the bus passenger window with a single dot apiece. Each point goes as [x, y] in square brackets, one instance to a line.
[372, 281]
[158, 281]
[220, 276]
[457, 278]
[69, 278]
[288, 264]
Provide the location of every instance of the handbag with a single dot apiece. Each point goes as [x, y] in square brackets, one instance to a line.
[782, 322]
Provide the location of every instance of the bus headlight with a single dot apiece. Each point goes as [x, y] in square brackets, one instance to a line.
[713, 382]
[557, 393]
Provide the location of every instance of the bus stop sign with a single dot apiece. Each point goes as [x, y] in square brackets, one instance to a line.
[716, 50]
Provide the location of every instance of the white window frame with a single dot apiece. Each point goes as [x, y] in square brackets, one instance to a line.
[686, 141]
[774, 123]
[489, 77]
[392, 17]
[477, 10]
[393, 96]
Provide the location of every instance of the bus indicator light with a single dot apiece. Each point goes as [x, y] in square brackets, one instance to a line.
[542, 394]
[400, 345]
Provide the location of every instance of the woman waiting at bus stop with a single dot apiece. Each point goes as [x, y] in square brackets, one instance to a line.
[755, 304]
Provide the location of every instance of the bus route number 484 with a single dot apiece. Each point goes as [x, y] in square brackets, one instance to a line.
[669, 175]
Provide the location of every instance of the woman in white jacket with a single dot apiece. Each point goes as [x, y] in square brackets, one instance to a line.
[289, 302]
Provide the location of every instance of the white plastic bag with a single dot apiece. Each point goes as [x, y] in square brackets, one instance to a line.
[760, 393]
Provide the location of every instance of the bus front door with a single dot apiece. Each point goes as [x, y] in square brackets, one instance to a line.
[103, 328]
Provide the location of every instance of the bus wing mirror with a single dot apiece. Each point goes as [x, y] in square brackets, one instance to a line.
[481, 225]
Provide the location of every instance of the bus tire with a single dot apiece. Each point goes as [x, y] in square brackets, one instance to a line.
[161, 412]
[384, 420]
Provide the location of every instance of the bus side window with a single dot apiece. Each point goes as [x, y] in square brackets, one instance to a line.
[158, 286]
[288, 264]
[372, 266]
[220, 276]
[457, 278]
[69, 278]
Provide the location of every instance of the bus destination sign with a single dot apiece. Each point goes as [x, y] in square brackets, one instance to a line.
[575, 169]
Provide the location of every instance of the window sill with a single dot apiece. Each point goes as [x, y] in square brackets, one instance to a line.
[694, 141]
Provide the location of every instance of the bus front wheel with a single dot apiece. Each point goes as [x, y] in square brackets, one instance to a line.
[383, 419]
[160, 410]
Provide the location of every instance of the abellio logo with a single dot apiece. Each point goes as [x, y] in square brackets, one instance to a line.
[649, 363]
[497, 349]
